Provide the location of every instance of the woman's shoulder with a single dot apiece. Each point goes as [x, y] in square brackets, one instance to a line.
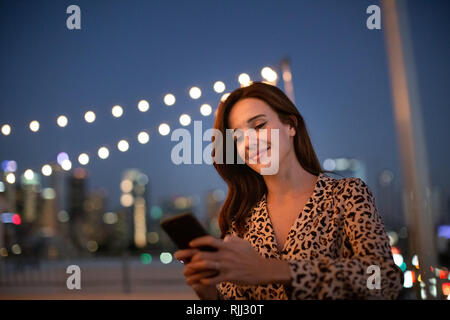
[352, 189]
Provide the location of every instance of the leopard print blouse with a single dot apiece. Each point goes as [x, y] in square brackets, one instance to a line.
[329, 248]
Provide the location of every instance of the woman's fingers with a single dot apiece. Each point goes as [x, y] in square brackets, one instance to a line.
[198, 266]
[185, 254]
[193, 279]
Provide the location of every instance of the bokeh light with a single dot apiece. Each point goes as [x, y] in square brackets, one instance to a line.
[185, 120]
[103, 153]
[169, 99]
[117, 111]
[143, 137]
[62, 121]
[143, 106]
[164, 129]
[205, 110]
[195, 92]
[89, 116]
[34, 126]
[219, 86]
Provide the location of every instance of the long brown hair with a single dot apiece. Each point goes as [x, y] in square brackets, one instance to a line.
[245, 186]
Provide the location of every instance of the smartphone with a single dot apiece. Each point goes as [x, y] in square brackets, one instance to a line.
[183, 228]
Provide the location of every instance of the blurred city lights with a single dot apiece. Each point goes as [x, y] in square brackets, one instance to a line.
[185, 119]
[28, 174]
[63, 216]
[9, 166]
[46, 170]
[287, 76]
[103, 152]
[329, 164]
[342, 164]
[92, 245]
[117, 111]
[156, 212]
[153, 237]
[2, 187]
[10, 178]
[219, 86]
[408, 279]
[205, 109]
[62, 121]
[16, 249]
[143, 137]
[415, 261]
[224, 97]
[83, 159]
[123, 145]
[195, 92]
[143, 105]
[6, 129]
[398, 259]
[386, 178]
[48, 193]
[169, 99]
[34, 126]
[66, 165]
[110, 218]
[126, 200]
[9, 217]
[89, 116]
[126, 185]
[146, 258]
[164, 129]
[269, 74]
[244, 79]
[61, 157]
[165, 257]
[3, 252]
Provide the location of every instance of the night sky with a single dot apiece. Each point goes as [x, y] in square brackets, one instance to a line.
[132, 50]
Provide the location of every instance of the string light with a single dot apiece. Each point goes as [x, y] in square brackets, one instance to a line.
[62, 121]
[123, 145]
[46, 170]
[244, 79]
[169, 99]
[34, 126]
[219, 86]
[6, 129]
[143, 137]
[205, 110]
[117, 111]
[143, 105]
[195, 92]
[83, 159]
[185, 120]
[89, 116]
[164, 129]
[103, 152]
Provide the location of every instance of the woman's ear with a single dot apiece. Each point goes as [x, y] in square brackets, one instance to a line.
[292, 125]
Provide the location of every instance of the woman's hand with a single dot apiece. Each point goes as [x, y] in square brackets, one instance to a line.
[204, 292]
[236, 261]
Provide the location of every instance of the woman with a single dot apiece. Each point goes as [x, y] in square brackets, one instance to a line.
[296, 234]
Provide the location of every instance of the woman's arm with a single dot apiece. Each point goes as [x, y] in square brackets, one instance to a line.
[348, 277]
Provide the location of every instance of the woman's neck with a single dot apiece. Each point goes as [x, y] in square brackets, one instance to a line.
[290, 181]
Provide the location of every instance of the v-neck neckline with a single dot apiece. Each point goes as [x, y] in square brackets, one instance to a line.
[300, 214]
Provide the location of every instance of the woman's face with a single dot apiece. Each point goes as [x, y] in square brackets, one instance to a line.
[253, 113]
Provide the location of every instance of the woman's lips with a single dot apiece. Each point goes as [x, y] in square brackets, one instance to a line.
[257, 156]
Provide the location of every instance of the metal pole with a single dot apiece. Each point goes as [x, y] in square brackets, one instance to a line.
[412, 146]
[287, 78]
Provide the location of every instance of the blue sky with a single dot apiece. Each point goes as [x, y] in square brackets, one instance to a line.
[132, 50]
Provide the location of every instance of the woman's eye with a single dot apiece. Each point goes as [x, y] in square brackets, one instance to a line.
[259, 126]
